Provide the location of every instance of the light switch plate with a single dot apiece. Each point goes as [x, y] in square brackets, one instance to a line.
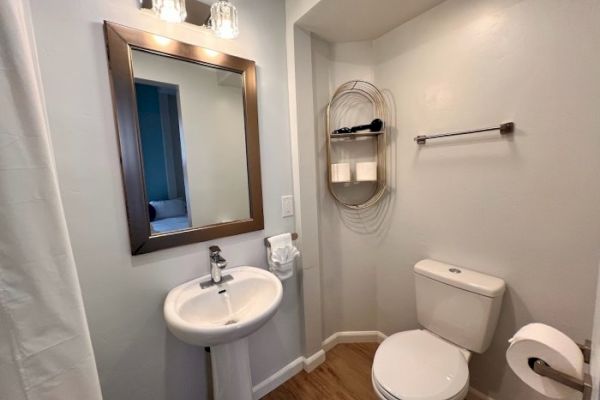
[287, 206]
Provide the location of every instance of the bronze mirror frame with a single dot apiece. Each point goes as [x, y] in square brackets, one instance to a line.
[120, 41]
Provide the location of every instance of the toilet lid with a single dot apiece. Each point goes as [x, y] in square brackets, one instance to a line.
[416, 365]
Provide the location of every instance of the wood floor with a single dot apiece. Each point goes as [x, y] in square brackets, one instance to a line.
[345, 375]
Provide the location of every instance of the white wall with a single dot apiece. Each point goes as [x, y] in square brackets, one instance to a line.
[348, 277]
[123, 295]
[522, 208]
[304, 161]
[595, 361]
[212, 121]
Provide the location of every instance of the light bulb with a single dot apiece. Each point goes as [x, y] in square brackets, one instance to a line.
[224, 19]
[170, 10]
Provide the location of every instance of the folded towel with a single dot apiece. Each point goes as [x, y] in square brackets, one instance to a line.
[283, 240]
[281, 255]
[284, 255]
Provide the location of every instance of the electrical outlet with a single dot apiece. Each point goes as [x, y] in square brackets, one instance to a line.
[287, 206]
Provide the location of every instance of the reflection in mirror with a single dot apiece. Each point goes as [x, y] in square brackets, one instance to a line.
[162, 147]
[193, 142]
[187, 120]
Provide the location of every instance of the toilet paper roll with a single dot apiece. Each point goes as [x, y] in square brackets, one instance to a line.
[540, 341]
[340, 172]
[366, 171]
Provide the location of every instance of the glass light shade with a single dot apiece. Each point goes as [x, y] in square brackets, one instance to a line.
[170, 10]
[224, 19]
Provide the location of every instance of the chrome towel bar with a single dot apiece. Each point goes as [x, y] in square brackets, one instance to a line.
[506, 128]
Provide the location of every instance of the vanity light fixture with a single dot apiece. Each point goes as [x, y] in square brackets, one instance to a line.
[170, 10]
[223, 19]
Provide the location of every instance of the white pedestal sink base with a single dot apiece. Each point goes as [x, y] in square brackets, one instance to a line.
[223, 316]
[231, 371]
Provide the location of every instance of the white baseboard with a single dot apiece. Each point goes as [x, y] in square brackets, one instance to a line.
[312, 362]
[279, 377]
[352, 337]
[476, 394]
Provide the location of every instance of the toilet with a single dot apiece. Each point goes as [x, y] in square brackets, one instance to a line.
[458, 310]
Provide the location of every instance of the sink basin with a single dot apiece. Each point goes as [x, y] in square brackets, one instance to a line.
[222, 316]
[226, 312]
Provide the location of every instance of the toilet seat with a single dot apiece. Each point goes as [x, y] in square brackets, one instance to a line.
[383, 395]
[417, 365]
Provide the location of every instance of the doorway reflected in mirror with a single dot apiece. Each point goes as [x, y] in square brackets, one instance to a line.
[162, 148]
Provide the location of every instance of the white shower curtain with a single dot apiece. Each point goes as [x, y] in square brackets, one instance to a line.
[45, 348]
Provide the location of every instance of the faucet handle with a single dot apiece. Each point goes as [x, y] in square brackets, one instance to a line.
[214, 250]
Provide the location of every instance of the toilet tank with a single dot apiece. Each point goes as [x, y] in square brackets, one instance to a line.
[460, 305]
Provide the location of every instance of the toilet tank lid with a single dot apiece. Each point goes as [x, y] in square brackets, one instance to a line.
[462, 278]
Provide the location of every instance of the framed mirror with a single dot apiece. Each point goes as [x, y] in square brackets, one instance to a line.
[187, 121]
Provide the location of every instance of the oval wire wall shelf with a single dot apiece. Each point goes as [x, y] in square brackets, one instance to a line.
[369, 92]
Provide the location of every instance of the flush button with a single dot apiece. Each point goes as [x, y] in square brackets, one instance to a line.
[455, 270]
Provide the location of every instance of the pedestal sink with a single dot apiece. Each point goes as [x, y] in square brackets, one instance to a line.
[222, 316]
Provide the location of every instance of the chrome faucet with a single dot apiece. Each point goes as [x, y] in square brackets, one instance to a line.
[217, 263]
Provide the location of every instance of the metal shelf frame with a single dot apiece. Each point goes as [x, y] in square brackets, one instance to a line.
[372, 94]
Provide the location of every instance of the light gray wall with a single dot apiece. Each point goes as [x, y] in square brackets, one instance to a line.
[123, 295]
[524, 209]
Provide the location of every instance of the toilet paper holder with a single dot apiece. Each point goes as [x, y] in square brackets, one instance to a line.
[584, 386]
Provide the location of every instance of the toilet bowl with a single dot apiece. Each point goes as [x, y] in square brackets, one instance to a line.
[418, 365]
[458, 309]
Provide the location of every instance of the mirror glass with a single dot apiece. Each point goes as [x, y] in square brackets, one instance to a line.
[192, 136]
